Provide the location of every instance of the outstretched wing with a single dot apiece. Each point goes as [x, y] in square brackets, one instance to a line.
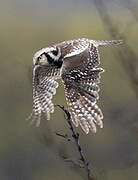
[81, 88]
[44, 87]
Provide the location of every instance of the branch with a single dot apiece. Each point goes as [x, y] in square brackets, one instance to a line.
[75, 136]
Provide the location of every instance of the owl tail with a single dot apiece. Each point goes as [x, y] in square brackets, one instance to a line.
[107, 43]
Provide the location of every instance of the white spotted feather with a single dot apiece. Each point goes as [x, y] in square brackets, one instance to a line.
[76, 63]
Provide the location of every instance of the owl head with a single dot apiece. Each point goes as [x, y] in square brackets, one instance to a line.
[50, 56]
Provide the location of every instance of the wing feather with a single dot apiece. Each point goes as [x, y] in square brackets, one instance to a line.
[44, 87]
[81, 89]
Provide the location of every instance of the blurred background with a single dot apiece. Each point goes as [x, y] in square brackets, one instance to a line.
[30, 153]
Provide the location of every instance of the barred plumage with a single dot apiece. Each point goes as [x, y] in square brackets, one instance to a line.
[75, 62]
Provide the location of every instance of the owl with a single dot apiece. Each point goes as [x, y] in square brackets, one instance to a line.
[76, 63]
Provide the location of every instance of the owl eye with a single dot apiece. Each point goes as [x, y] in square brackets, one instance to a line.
[42, 59]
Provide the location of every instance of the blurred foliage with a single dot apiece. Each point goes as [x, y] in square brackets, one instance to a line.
[31, 153]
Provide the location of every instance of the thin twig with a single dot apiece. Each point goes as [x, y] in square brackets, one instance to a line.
[63, 136]
[75, 136]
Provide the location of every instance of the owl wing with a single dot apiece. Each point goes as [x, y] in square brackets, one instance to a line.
[81, 88]
[44, 87]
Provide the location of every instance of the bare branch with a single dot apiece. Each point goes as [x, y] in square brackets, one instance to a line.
[75, 136]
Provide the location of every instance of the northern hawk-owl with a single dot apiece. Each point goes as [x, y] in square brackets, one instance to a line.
[75, 62]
